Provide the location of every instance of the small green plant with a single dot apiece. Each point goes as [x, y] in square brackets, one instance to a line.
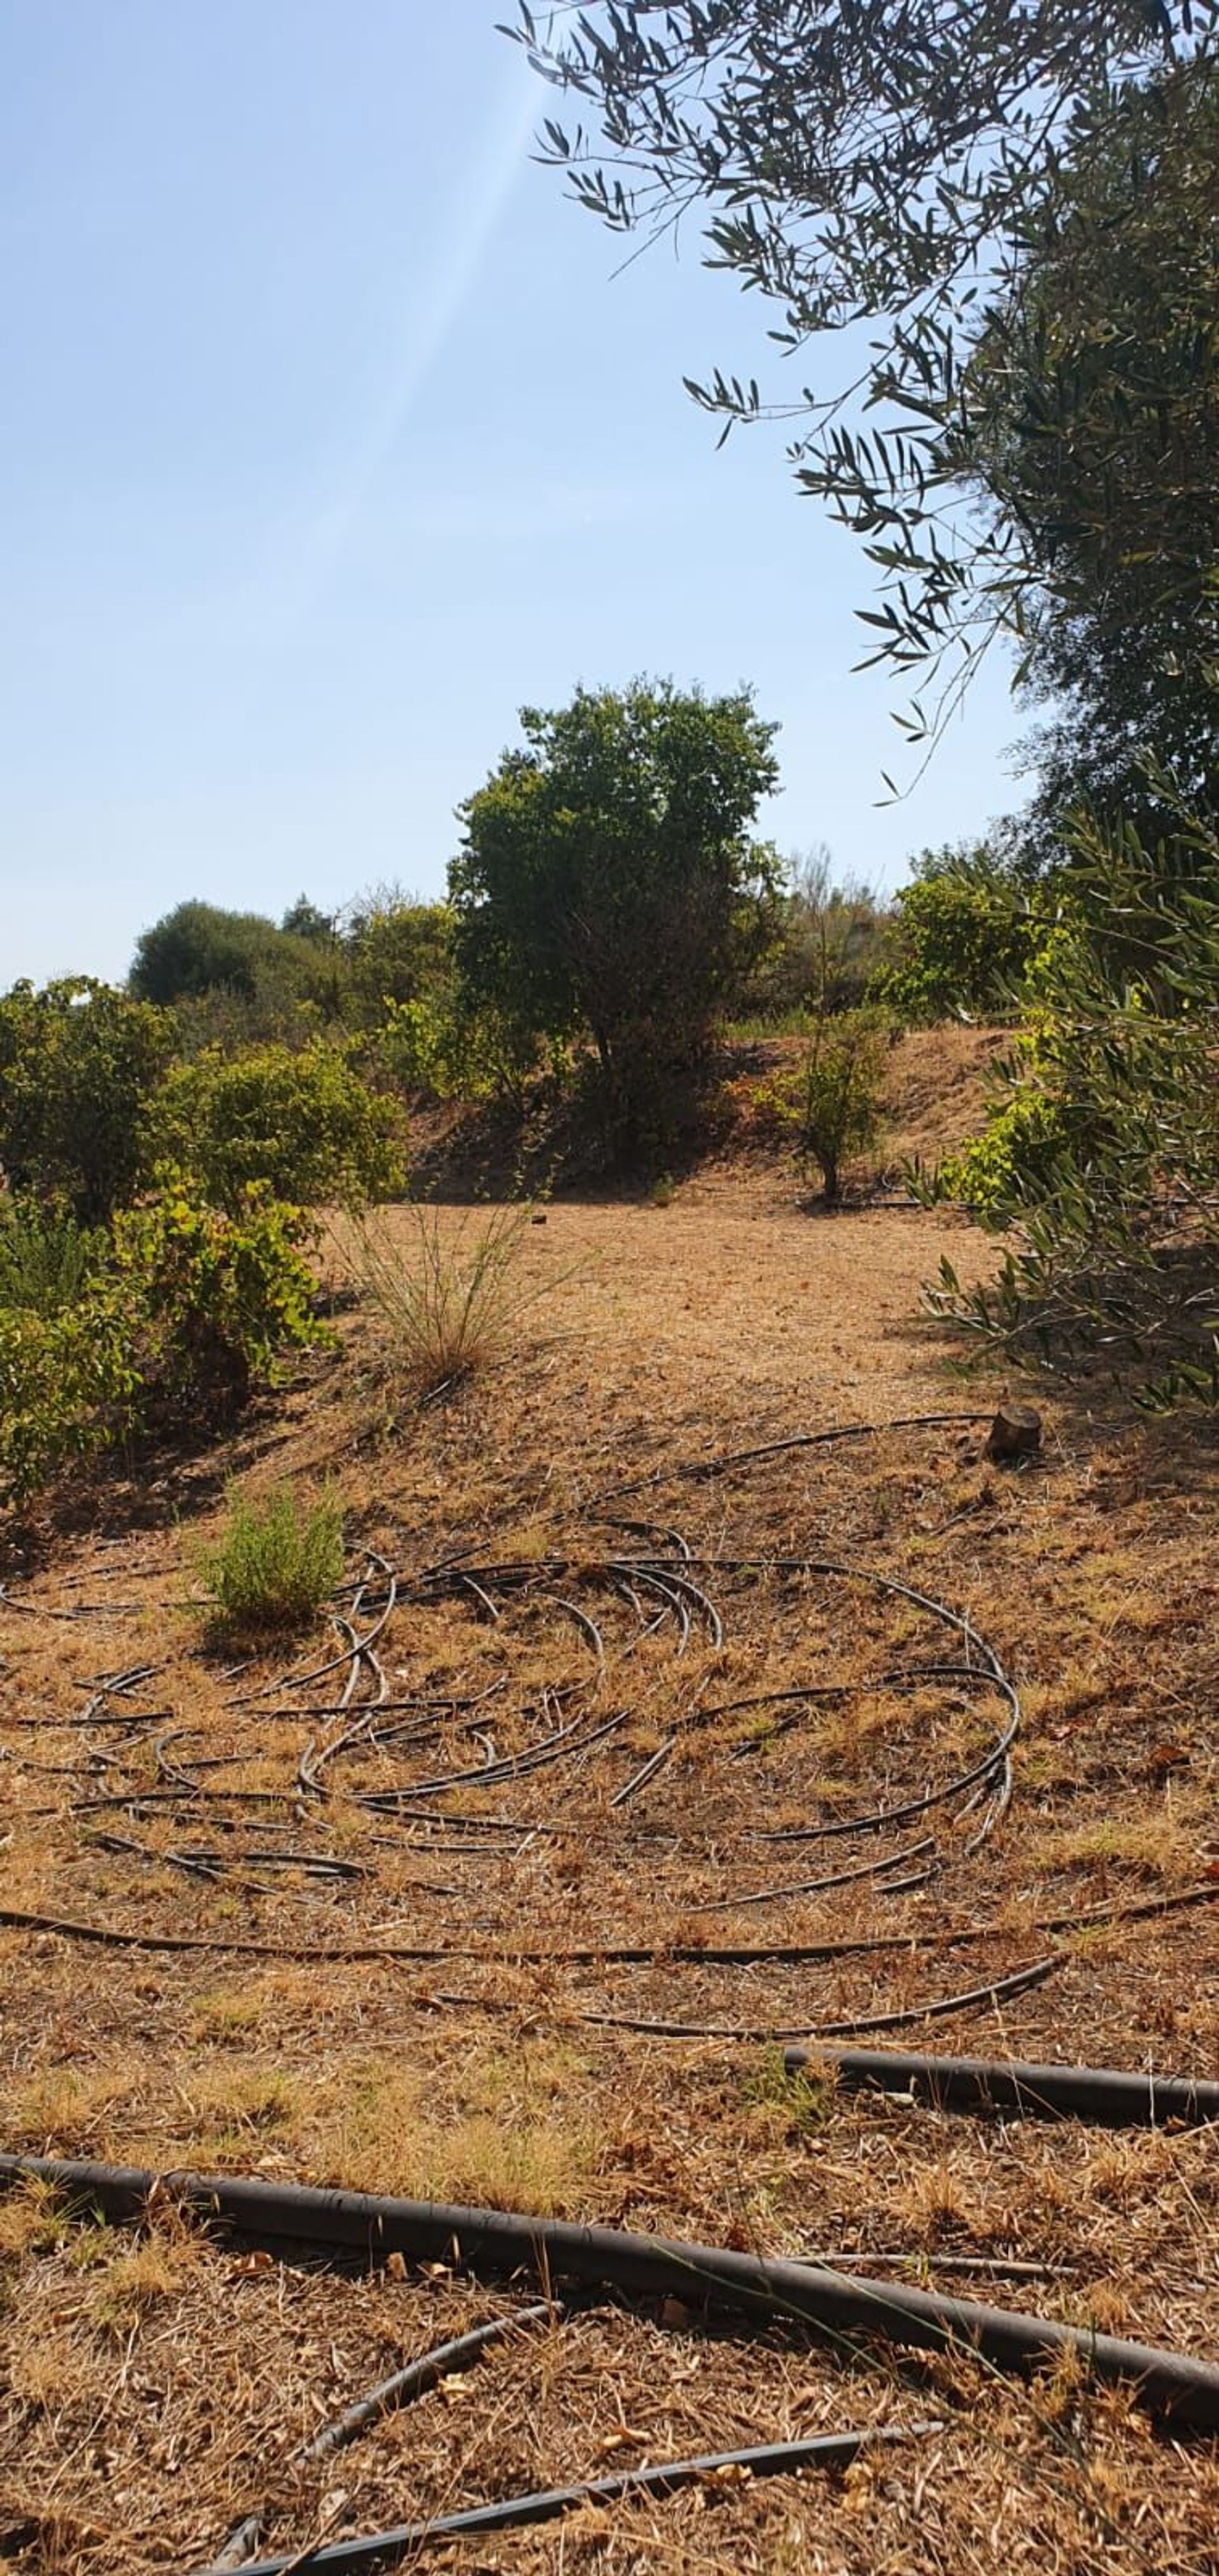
[45, 1256]
[449, 1294]
[276, 1560]
[839, 1092]
[661, 1193]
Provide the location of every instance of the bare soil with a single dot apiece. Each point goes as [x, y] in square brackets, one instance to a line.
[575, 1748]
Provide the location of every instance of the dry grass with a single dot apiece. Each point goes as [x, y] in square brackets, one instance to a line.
[155, 2388]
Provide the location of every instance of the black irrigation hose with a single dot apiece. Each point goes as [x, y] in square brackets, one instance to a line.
[1112, 2097]
[511, 2513]
[413, 2381]
[366, 2228]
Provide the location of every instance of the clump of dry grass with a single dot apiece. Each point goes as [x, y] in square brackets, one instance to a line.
[450, 1296]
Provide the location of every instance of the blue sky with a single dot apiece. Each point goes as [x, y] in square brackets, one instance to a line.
[329, 438]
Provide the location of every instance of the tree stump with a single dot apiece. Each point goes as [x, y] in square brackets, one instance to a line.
[1015, 1433]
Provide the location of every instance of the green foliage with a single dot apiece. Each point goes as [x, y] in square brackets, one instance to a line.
[448, 1047]
[1012, 1161]
[448, 1291]
[69, 1385]
[397, 951]
[608, 887]
[1104, 1157]
[78, 1064]
[200, 948]
[958, 946]
[1092, 404]
[176, 1316]
[215, 1296]
[827, 941]
[302, 1123]
[275, 1561]
[45, 1256]
[869, 163]
[838, 1091]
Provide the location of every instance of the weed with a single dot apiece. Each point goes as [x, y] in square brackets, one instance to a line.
[800, 2101]
[451, 1297]
[275, 1562]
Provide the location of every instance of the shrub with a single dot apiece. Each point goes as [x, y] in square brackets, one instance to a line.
[958, 946]
[839, 1091]
[79, 1063]
[216, 1295]
[69, 1386]
[45, 1257]
[275, 1562]
[450, 1297]
[1104, 1157]
[185, 1310]
[304, 1126]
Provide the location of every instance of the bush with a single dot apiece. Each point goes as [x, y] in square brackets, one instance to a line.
[839, 1091]
[45, 1258]
[450, 1297]
[187, 1308]
[304, 1126]
[69, 1386]
[275, 1562]
[79, 1063]
[959, 944]
[215, 1295]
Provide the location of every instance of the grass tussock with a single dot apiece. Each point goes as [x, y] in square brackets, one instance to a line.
[450, 1295]
[275, 1561]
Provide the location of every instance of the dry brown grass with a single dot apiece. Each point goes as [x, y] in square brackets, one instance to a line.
[154, 2388]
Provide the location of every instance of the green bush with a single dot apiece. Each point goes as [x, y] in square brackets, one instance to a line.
[838, 1094]
[1103, 1159]
[303, 1125]
[958, 946]
[79, 1063]
[216, 1295]
[70, 1386]
[188, 1307]
[45, 1257]
[275, 1562]
[1011, 1162]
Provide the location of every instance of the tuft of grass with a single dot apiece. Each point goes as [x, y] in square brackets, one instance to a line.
[275, 1561]
[450, 1295]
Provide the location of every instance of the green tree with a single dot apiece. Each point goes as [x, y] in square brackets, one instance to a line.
[79, 1063]
[1090, 425]
[877, 163]
[239, 971]
[608, 884]
[398, 950]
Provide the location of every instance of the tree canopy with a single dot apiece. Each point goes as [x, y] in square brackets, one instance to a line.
[1091, 428]
[888, 163]
[201, 948]
[608, 883]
